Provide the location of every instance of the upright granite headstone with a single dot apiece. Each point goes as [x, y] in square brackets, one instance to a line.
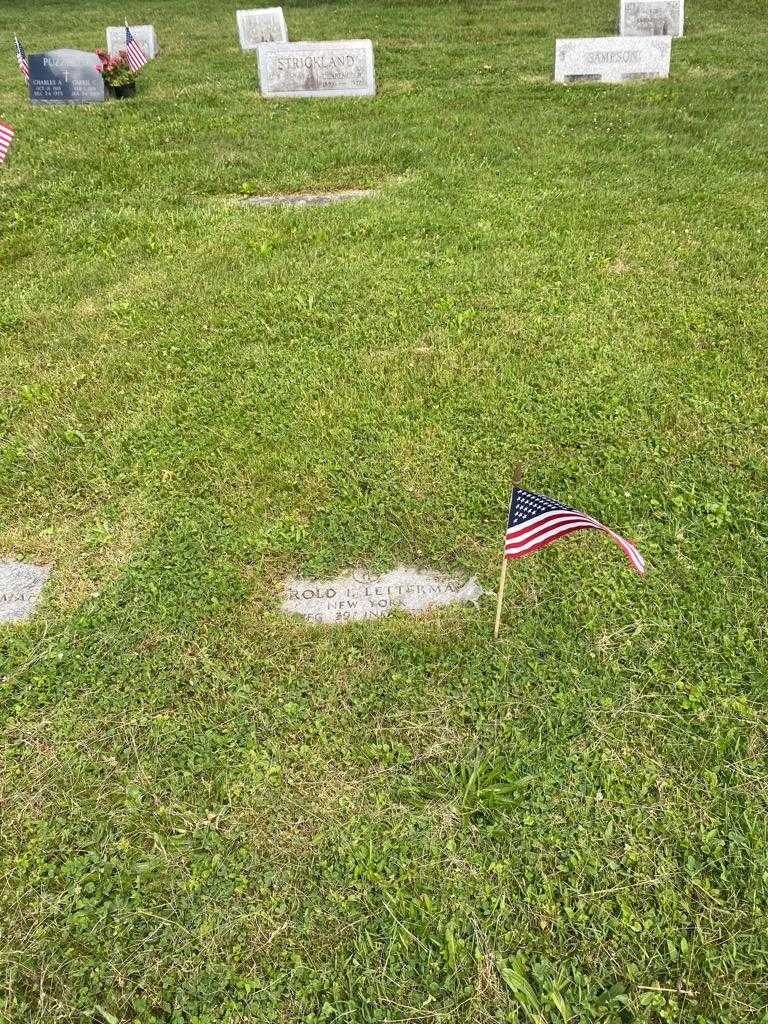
[612, 59]
[65, 76]
[20, 587]
[338, 68]
[143, 34]
[651, 17]
[265, 25]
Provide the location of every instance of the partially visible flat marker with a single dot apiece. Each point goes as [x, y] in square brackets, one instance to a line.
[309, 198]
[362, 596]
[21, 584]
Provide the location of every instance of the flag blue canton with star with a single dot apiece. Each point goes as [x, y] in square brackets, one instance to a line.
[525, 505]
[535, 520]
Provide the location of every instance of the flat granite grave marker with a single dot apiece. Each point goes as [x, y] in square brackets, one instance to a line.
[309, 198]
[20, 586]
[361, 596]
[612, 59]
[651, 17]
[337, 68]
[263, 25]
[143, 34]
[65, 76]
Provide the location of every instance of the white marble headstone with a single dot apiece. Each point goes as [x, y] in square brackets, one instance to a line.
[20, 587]
[651, 17]
[143, 34]
[612, 58]
[263, 25]
[336, 68]
[362, 596]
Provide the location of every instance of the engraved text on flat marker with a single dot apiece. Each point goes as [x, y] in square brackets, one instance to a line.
[361, 596]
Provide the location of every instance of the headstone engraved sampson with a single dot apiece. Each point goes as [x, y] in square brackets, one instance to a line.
[361, 596]
[143, 34]
[338, 68]
[20, 587]
[266, 25]
[651, 17]
[65, 76]
[612, 58]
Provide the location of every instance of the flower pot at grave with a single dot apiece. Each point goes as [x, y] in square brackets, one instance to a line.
[122, 92]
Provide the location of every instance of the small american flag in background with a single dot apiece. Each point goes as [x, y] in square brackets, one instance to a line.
[6, 138]
[535, 521]
[21, 57]
[136, 56]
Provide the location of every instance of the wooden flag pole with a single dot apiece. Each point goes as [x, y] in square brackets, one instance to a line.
[516, 478]
[500, 600]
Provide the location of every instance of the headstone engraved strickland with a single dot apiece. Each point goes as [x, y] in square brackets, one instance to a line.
[651, 17]
[65, 76]
[143, 34]
[265, 25]
[612, 59]
[20, 586]
[338, 68]
[361, 596]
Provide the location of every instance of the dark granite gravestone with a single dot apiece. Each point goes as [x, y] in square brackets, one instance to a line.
[65, 76]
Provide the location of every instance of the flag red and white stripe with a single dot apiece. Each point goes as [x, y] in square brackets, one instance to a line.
[6, 138]
[535, 521]
[21, 59]
[135, 54]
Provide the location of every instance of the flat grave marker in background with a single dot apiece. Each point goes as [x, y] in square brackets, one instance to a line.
[362, 596]
[20, 586]
[143, 34]
[612, 58]
[651, 17]
[309, 198]
[335, 68]
[65, 76]
[263, 25]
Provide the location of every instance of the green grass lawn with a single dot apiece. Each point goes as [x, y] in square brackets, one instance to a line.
[212, 814]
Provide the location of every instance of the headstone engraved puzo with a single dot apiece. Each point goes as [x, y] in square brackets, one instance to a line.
[20, 587]
[612, 58]
[361, 596]
[337, 68]
[651, 17]
[65, 76]
[143, 34]
[264, 25]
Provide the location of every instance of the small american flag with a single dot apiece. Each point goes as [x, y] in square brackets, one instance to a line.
[136, 56]
[6, 138]
[535, 521]
[21, 57]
